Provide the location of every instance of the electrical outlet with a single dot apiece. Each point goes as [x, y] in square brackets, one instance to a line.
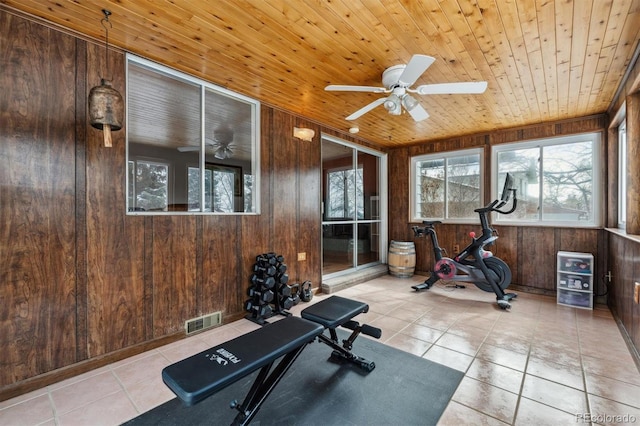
[636, 293]
[302, 256]
[456, 248]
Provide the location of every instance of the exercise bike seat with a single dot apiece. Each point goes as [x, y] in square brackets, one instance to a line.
[431, 222]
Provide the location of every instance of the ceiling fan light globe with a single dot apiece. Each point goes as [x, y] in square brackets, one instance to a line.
[409, 102]
[392, 103]
[223, 153]
[389, 105]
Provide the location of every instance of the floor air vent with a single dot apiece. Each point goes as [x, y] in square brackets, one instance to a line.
[202, 323]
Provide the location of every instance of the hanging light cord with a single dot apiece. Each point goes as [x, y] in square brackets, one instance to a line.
[104, 23]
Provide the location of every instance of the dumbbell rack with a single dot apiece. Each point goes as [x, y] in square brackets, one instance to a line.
[269, 294]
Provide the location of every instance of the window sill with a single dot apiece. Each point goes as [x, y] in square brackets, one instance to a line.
[623, 233]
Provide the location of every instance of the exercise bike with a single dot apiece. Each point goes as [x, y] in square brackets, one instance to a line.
[474, 264]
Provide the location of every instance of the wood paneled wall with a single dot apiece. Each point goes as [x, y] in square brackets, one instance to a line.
[624, 246]
[624, 263]
[38, 247]
[529, 251]
[81, 282]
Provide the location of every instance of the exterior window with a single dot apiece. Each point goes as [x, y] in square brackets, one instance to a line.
[204, 136]
[148, 185]
[222, 187]
[345, 196]
[622, 175]
[446, 186]
[556, 180]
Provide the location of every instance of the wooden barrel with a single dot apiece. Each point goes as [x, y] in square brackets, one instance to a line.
[402, 258]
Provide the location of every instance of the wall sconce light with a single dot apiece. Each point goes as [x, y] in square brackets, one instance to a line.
[304, 133]
[106, 107]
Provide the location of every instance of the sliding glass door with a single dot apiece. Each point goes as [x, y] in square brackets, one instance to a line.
[352, 217]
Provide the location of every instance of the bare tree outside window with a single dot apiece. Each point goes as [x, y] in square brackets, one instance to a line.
[463, 186]
[555, 179]
[568, 181]
[150, 186]
[345, 194]
[447, 187]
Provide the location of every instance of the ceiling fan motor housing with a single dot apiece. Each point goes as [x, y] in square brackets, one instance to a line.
[391, 76]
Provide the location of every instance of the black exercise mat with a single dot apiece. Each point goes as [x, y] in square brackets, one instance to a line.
[402, 390]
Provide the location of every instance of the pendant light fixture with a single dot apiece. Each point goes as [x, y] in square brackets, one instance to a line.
[106, 107]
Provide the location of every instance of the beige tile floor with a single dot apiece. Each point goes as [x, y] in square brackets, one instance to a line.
[537, 364]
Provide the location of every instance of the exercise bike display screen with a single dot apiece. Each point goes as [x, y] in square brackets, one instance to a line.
[506, 189]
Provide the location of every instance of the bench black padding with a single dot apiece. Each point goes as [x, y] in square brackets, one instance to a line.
[336, 311]
[200, 376]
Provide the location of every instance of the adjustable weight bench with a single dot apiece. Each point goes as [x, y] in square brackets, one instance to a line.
[200, 376]
[195, 378]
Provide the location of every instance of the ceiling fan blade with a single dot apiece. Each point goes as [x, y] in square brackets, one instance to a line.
[188, 148]
[414, 69]
[345, 88]
[471, 87]
[418, 113]
[366, 109]
[191, 148]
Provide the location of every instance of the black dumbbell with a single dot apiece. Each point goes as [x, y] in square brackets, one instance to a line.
[267, 259]
[282, 278]
[268, 270]
[285, 290]
[281, 268]
[263, 282]
[286, 302]
[257, 309]
[264, 295]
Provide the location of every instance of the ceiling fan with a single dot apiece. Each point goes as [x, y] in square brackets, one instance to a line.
[398, 79]
[222, 143]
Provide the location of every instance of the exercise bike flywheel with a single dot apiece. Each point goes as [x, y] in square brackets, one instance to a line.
[445, 268]
[501, 273]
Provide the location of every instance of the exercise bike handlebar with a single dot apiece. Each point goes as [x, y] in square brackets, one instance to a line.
[513, 207]
[495, 205]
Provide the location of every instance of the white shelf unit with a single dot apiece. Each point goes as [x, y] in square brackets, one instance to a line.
[575, 279]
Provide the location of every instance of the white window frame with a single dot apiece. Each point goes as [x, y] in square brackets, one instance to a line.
[597, 204]
[204, 87]
[413, 199]
[622, 174]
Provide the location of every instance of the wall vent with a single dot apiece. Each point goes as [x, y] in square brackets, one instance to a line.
[202, 323]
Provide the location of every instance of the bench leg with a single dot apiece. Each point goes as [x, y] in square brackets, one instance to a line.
[263, 386]
[344, 351]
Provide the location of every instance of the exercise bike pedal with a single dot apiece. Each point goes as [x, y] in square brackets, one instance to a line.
[421, 286]
[503, 304]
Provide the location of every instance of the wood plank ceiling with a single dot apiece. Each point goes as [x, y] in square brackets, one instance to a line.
[543, 59]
